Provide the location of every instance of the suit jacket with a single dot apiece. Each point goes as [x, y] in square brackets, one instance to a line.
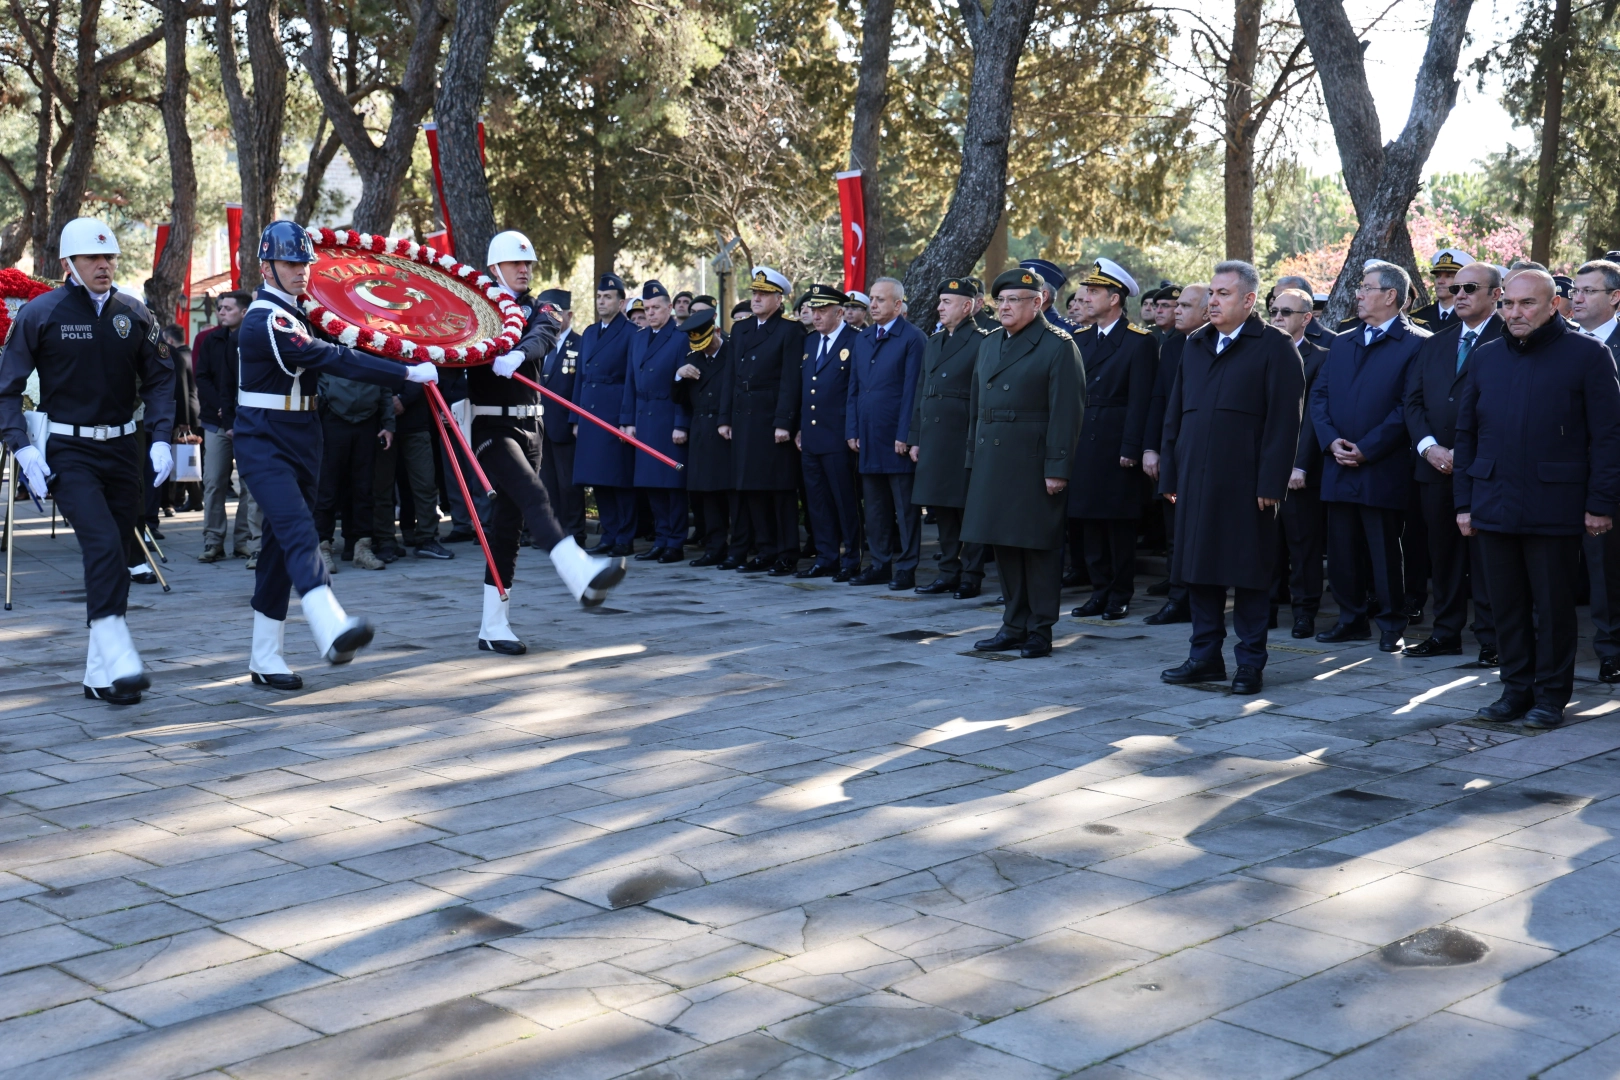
[824, 391]
[1308, 455]
[1317, 334]
[1434, 386]
[214, 356]
[882, 391]
[939, 420]
[1169, 363]
[1359, 396]
[602, 458]
[1120, 370]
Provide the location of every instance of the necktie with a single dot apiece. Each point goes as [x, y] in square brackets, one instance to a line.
[1466, 346]
[883, 332]
[826, 346]
[1375, 334]
[1220, 346]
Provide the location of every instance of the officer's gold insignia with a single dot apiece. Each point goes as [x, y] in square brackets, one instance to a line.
[843, 354]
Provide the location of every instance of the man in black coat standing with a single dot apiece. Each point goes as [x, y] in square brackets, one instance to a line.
[557, 374]
[1231, 430]
[1537, 465]
[1433, 389]
[1595, 302]
[1303, 525]
[1192, 312]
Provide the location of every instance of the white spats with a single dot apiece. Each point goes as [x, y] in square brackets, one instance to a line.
[495, 633]
[588, 577]
[337, 635]
[114, 651]
[268, 636]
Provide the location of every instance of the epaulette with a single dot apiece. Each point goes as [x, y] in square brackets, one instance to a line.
[1139, 330]
[1420, 322]
[1060, 332]
[983, 330]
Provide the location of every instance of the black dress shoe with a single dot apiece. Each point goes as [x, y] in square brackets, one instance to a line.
[1191, 671]
[621, 551]
[730, 564]
[505, 648]
[706, 559]
[604, 548]
[968, 590]
[1543, 717]
[1172, 612]
[1004, 641]
[1435, 646]
[937, 586]
[1114, 614]
[1414, 614]
[756, 565]
[1091, 608]
[905, 579]
[1390, 641]
[460, 536]
[112, 695]
[652, 554]
[845, 573]
[1304, 626]
[278, 680]
[1075, 579]
[784, 570]
[1488, 658]
[1503, 710]
[1159, 588]
[817, 569]
[876, 574]
[1035, 648]
[144, 578]
[672, 555]
[1345, 632]
[1001, 599]
[1608, 671]
[155, 533]
[1247, 680]
[1271, 620]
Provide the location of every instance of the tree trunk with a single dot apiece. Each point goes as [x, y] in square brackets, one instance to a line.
[169, 276]
[995, 256]
[1241, 128]
[1544, 213]
[322, 151]
[256, 119]
[1383, 181]
[38, 197]
[866, 137]
[13, 239]
[981, 186]
[461, 93]
[604, 247]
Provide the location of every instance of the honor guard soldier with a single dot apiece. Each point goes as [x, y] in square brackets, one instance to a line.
[602, 462]
[1052, 282]
[938, 437]
[557, 435]
[1439, 312]
[709, 478]
[759, 412]
[650, 413]
[96, 350]
[506, 421]
[278, 453]
[831, 484]
[1024, 415]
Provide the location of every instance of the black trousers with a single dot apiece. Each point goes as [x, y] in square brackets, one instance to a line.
[1304, 536]
[1415, 549]
[1110, 547]
[1454, 570]
[1603, 580]
[1178, 589]
[774, 518]
[510, 456]
[833, 506]
[98, 488]
[1251, 612]
[893, 522]
[1032, 582]
[567, 497]
[1531, 583]
[669, 516]
[348, 463]
[958, 561]
[1364, 558]
[724, 524]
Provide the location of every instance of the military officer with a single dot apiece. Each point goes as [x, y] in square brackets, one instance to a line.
[938, 437]
[759, 411]
[709, 477]
[1121, 361]
[636, 312]
[855, 308]
[602, 462]
[557, 439]
[1025, 412]
[97, 351]
[832, 491]
[1438, 312]
[1053, 280]
[650, 413]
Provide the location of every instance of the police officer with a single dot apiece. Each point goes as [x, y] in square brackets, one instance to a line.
[650, 413]
[938, 437]
[96, 349]
[832, 491]
[557, 374]
[602, 462]
[709, 480]
[278, 453]
[1052, 282]
[1439, 313]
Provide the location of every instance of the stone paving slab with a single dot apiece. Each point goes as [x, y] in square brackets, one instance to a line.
[737, 827]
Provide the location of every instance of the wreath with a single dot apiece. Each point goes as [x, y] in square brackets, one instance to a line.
[395, 347]
[17, 286]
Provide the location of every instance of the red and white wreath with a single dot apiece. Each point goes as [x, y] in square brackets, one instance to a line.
[390, 345]
[16, 289]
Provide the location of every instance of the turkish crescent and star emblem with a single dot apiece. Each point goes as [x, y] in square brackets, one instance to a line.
[392, 295]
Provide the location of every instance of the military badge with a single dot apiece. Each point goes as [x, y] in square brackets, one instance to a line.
[843, 354]
[122, 324]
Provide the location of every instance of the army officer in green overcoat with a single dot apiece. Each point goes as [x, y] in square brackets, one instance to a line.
[1025, 409]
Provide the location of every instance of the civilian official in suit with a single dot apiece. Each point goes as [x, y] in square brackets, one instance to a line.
[1433, 389]
[882, 385]
[650, 413]
[1028, 402]
[1303, 525]
[1594, 302]
[1537, 465]
[831, 483]
[558, 373]
[1121, 360]
[698, 384]
[1315, 332]
[1231, 430]
[602, 461]
[1360, 421]
[1192, 312]
[759, 412]
[939, 425]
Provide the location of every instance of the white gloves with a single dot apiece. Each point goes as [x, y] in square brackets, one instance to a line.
[421, 373]
[162, 463]
[505, 365]
[32, 463]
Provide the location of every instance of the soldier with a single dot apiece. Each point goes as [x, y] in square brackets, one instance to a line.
[652, 415]
[759, 411]
[636, 312]
[984, 312]
[558, 430]
[681, 306]
[96, 350]
[855, 309]
[1121, 360]
[1192, 312]
[1444, 266]
[1052, 282]
[1024, 414]
[602, 462]
[832, 492]
[938, 437]
[709, 475]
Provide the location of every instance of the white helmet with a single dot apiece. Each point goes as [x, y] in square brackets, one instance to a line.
[509, 246]
[86, 236]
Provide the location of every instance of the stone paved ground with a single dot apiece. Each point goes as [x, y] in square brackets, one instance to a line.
[738, 828]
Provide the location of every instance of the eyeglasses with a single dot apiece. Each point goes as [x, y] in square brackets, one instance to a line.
[1469, 287]
[1282, 312]
[1365, 288]
[1005, 298]
[1590, 291]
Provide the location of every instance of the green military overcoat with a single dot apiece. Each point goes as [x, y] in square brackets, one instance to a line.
[1025, 409]
[939, 421]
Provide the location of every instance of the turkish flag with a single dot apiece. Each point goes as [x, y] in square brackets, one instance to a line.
[852, 207]
[182, 311]
[431, 130]
[233, 236]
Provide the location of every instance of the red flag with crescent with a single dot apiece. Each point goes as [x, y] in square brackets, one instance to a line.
[852, 207]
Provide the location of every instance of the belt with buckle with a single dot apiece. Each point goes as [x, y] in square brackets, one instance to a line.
[99, 432]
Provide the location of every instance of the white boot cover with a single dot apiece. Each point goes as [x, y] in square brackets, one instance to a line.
[95, 668]
[495, 627]
[268, 637]
[121, 664]
[588, 577]
[338, 636]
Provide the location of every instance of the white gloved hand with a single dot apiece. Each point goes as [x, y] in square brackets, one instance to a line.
[505, 365]
[421, 373]
[162, 462]
[32, 463]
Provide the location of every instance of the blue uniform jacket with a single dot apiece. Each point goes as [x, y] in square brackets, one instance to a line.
[1359, 395]
[882, 390]
[824, 392]
[604, 353]
[649, 403]
[1538, 434]
[558, 372]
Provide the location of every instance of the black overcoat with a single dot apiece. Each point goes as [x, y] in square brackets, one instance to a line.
[760, 395]
[1434, 389]
[1120, 366]
[708, 456]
